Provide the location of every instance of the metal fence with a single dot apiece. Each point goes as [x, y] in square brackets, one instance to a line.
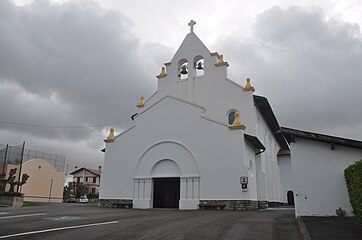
[15, 155]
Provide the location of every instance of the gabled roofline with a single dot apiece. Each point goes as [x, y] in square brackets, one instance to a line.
[148, 99]
[189, 34]
[121, 133]
[175, 98]
[94, 171]
[263, 105]
[291, 133]
[235, 83]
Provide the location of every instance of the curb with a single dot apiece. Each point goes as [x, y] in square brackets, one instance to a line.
[303, 231]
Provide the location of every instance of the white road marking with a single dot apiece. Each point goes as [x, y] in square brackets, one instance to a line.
[57, 229]
[277, 209]
[3, 213]
[62, 218]
[24, 215]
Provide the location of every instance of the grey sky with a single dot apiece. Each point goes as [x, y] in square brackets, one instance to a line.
[83, 63]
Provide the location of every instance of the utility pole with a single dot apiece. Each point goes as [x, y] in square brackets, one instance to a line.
[21, 165]
[50, 192]
[6, 153]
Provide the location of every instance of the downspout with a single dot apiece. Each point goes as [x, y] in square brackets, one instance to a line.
[263, 150]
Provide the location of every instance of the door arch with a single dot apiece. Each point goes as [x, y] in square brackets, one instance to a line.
[167, 166]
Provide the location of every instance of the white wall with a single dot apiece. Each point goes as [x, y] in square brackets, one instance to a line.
[182, 124]
[286, 176]
[318, 172]
[270, 185]
[212, 91]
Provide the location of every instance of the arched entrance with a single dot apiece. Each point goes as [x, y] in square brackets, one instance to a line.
[166, 184]
[166, 176]
[290, 197]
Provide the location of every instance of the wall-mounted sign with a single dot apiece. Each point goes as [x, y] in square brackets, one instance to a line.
[243, 180]
[244, 183]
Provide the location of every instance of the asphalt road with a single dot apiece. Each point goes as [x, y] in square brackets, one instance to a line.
[77, 221]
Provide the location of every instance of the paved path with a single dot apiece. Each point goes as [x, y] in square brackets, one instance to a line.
[76, 221]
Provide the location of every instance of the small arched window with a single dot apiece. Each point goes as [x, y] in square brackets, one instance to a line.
[231, 117]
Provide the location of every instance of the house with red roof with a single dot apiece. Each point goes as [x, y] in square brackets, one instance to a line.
[87, 177]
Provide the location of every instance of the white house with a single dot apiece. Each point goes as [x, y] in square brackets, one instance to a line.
[318, 162]
[87, 177]
[200, 138]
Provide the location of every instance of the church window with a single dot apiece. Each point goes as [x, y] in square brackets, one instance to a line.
[199, 65]
[231, 116]
[183, 69]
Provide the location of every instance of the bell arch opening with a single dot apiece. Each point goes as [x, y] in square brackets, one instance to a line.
[183, 69]
[199, 65]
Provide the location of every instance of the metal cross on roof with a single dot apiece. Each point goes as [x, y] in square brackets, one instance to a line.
[191, 24]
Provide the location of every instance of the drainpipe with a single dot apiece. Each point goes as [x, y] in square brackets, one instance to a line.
[263, 150]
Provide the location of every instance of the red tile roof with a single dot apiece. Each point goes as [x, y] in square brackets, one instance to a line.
[95, 172]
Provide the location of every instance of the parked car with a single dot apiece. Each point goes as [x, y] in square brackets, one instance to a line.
[71, 200]
[83, 199]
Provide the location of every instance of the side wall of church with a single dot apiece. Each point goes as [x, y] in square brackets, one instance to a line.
[271, 188]
[318, 173]
[286, 176]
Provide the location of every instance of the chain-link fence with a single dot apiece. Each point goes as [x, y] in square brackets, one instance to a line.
[15, 155]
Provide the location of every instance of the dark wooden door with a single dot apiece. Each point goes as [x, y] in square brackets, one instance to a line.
[290, 197]
[166, 192]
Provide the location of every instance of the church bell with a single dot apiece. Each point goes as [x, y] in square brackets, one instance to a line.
[183, 70]
[199, 66]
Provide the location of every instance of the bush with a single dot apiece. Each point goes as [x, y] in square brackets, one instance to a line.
[92, 195]
[353, 176]
[340, 212]
[11, 194]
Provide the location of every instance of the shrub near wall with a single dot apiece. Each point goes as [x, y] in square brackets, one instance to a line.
[353, 176]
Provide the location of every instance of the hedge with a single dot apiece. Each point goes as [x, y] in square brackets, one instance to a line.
[353, 176]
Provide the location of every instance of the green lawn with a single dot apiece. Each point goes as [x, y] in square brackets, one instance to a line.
[30, 204]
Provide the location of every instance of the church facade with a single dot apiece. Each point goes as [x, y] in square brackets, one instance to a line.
[200, 140]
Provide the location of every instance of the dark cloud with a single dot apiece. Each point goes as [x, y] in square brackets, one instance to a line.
[70, 64]
[308, 66]
[77, 63]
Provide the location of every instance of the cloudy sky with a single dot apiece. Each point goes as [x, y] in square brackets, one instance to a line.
[70, 70]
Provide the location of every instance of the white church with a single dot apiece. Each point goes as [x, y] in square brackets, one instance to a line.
[204, 141]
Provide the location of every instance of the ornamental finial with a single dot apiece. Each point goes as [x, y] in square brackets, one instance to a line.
[110, 137]
[141, 103]
[191, 24]
[162, 73]
[248, 87]
[221, 61]
[237, 124]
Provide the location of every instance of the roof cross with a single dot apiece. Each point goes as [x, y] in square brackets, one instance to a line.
[191, 24]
